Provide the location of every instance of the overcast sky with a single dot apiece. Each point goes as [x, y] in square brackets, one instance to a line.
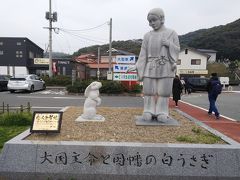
[26, 18]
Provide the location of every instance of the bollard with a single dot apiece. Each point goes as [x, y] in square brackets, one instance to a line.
[8, 108]
[230, 88]
[28, 107]
[3, 109]
[21, 108]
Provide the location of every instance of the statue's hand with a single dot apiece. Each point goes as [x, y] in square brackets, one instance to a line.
[131, 68]
[165, 42]
[174, 67]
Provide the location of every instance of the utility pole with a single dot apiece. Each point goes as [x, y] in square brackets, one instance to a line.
[110, 46]
[50, 39]
[98, 72]
[52, 17]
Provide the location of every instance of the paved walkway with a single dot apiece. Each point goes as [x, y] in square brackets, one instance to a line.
[224, 125]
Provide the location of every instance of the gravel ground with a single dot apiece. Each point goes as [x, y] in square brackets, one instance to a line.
[119, 126]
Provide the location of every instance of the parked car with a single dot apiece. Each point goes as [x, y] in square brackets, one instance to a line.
[197, 84]
[3, 82]
[29, 82]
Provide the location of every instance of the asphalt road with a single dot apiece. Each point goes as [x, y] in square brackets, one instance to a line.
[52, 100]
[228, 103]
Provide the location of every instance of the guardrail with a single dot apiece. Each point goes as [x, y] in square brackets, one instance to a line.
[5, 108]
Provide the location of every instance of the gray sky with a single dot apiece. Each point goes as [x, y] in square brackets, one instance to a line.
[26, 18]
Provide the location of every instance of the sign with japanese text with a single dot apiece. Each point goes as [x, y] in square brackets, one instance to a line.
[165, 160]
[124, 77]
[126, 59]
[46, 122]
[191, 71]
[42, 61]
[109, 75]
[121, 68]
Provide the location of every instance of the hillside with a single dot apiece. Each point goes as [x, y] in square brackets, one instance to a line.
[225, 39]
[132, 46]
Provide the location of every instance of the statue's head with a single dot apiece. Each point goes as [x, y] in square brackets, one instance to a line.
[156, 18]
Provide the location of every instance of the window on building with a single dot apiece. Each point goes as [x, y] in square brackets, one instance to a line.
[1, 43]
[31, 55]
[38, 56]
[179, 62]
[64, 71]
[19, 43]
[19, 54]
[1, 52]
[186, 51]
[195, 61]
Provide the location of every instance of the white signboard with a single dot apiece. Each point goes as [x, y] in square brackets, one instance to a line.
[44, 61]
[121, 67]
[124, 77]
[109, 75]
[195, 71]
[126, 59]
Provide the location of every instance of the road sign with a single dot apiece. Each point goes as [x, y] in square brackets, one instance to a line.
[126, 59]
[121, 67]
[124, 77]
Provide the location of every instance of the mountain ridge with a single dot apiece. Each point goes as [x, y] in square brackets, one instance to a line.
[225, 39]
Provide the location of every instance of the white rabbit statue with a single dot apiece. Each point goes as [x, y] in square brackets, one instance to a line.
[93, 100]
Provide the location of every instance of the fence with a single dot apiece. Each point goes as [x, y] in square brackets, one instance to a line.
[5, 108]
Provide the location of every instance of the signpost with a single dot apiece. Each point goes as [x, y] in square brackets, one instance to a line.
[119, 69]
[124, 77]
[125, 59]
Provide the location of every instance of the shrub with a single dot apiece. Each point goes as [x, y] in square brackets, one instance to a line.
[111, 87]
[78, 86]
[137, 88]
[16, 119]
[58, 80]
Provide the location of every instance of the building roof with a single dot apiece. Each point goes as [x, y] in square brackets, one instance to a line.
[86, 58]
[101, 66]
[118, 52]
[196, 51]
[207, 50]
[23, 38]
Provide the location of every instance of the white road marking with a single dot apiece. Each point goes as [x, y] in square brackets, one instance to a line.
[47, 97]
[207, 111]
[40, 107]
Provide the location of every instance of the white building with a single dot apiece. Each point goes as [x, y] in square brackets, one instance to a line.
[192, 62]
[212, 53]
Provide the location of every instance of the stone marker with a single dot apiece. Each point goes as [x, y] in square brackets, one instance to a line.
[38, 160]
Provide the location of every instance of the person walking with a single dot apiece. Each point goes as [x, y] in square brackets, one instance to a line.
[214, 88]
[184, 85]
[177, 90]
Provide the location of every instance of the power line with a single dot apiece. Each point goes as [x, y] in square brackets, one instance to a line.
[84, 29]
[81, 37]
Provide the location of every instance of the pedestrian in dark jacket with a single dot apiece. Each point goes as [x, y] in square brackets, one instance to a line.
[177, 89]
[213, 94]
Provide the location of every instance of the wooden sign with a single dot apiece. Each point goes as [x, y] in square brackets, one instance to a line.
[46, 122]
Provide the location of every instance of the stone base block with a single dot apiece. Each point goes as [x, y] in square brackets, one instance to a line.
[25, 160]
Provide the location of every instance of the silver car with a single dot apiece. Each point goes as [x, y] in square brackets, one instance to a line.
[29, 82]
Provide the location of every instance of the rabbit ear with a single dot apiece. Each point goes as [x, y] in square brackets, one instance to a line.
[87, 90]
